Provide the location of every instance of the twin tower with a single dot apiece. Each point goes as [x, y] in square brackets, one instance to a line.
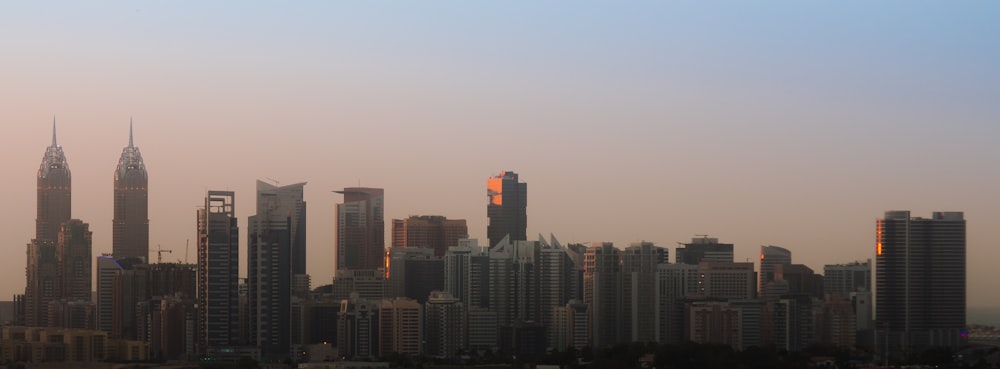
[59, 256]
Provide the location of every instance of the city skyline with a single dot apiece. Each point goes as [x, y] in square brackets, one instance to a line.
[625, 135]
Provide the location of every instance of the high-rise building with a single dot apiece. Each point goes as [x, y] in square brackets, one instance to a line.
[400, 325]
[843, 279]
[466, 273]
[54, 204]
[507, 209]
[444, 325]
[674, 284]
[704, 249]
[770, 256]
[107, 270]
[276, 252]
[54, 192]
[734, 281]
[361, 229]
[602, 293]
[130, 233]
[428, 231]
[74, 252]
[218, 271]
[414, 273]
[639, 267]
[43, 284]
[920, 278]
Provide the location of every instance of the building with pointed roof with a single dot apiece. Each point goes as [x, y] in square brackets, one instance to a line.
[130, 226]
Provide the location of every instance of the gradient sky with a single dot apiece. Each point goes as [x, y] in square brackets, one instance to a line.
[787, 123]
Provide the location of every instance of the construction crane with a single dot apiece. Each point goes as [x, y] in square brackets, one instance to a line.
[159, 253]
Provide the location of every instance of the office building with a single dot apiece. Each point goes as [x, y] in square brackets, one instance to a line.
[444, 325]
[130, 226]
[357, 328]
[218, 271]
[506, 211]
[569, 323]
[639, 267]
[107, 269]
[428, 231]
[361, 229]
[674, 284]
[54, 205]
[466, 276]
[73, 253]
[770, 257]
[704, 249]
[602, 293]
[400, 325]
[843, 279]
[921, 278]
[734, 281]
[276, 252]
[414, 273]
[54, 192]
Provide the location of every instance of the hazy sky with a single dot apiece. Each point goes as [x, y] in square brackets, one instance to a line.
[787, 123]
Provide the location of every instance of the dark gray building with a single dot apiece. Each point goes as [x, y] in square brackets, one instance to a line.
[704, 249]
[507, 208]
[277, 239]
[920, 278]
[130, 226]
[218, 272]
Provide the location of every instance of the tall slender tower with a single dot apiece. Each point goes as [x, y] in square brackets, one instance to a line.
[218, 272]
[507, 210]
[277, 240]
[920, 278]
[54, 190]
[361, 229]
[130, 236]
[42, 269]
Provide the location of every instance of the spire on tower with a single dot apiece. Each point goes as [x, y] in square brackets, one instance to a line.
[129, 131]
[53, 131]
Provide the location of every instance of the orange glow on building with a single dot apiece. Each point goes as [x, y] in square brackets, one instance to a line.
[878, 237]
[494, 189]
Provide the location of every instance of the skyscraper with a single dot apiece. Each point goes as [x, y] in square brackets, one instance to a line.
[602, 291]
[920, 278]
[361, 229]
[54, 200]
[507, 208]
[130, 234]
[54, 192]
[704, 249]
[428, 231]
[218, 271]
[276, 252]
[74, 252]
[770, 257]
[639, 267]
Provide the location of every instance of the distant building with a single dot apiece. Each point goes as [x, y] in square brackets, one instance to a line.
[361, 229]
[506, 210]
[843, 279]
[639, 267]
[466, 276]
[276, 253]
[726, 280]
[74, 252]
[107, 270]
[400, 325]
[921, 278]
[674, 284]
[357, 328]
[569, 323]
[770, 257]
[414, 273]
[602, 293]
[130, 226]
[704, 249]
[445, 328]
[54, 206]
[428, 231]
[218, 272]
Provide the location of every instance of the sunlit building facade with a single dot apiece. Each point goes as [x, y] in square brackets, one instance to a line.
[507, 210]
